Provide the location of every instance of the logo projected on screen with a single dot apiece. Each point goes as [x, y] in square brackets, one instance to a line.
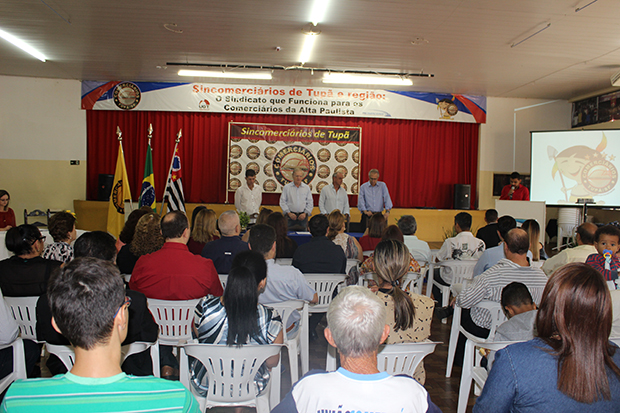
[591, 169]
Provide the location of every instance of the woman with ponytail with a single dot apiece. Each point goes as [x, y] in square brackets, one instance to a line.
[237, 318]
[409, 315]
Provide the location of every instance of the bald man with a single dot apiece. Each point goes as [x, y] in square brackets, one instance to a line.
[223, 250]
[585, 247]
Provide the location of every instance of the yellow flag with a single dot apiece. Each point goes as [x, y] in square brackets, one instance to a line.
[120, 192]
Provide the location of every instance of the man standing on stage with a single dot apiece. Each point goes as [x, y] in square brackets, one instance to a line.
[334, 197]
[373, 197]
[296, 202]
[515, 191]
[249, 196]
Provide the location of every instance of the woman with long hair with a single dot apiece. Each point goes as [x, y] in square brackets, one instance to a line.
[350, 245]
[204, 230]
[372, 236]
[390, 233]
[62, 229]
[571, 366]
[409, 315]
[285, 247]
[25, 274]
[7, 216]
[147, 238]
[261, 219]
[237, 318]
[126, 235]
[533, 231]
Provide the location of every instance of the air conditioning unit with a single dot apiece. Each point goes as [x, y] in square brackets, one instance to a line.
[615, 79]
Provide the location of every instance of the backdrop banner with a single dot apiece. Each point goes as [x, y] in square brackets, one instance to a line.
[275, 151]
[282, 100]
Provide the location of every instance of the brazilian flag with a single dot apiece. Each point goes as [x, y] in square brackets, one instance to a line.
[147, 195]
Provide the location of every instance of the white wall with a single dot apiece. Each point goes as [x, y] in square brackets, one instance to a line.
[42, 128]
[505, 138]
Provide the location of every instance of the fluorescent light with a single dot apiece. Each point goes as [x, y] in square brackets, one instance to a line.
[229, 75]
[307, 48]
[318, 11]
[22, 45]
[366, 79]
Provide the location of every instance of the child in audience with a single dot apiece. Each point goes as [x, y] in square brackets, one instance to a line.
[607, 243]
[521, 311]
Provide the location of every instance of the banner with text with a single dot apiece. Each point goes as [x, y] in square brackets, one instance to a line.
[275, 151]
[288, 100]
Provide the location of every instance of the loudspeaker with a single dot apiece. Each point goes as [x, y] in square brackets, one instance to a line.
[105, 187]
[462, 195]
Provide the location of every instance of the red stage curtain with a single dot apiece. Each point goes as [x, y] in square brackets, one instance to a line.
[420, 161]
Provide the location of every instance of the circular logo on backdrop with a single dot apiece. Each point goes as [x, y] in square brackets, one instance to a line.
[253, 166]
[127, 95]
[235, 151]
[270, 152]
[270, 185]
[253, 152]
[354, 188]
[356, 156]
[599, 177]
[324, 155]
[117, 197]
[235, 168]
[321, 185]
[267, 169]
[323, 171]
[355, 172]
[234, 184]
[341, 155]
[341, 169]
[290, 158]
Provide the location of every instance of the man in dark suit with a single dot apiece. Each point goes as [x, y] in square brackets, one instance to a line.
[320, 255]
[488, 233]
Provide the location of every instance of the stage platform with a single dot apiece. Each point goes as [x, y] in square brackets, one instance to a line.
[432, 223]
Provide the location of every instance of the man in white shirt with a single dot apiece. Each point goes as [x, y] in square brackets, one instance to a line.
[334, 196]
[585, 247]
[418, 248]
[249, 196]
[296, 202]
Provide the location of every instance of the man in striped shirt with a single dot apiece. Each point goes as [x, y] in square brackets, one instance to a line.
[488, 286]
[89, 307]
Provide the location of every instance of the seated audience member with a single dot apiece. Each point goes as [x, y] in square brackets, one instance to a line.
[320, 255]
[142, 327]
[284, 282]
[390, 233]
[223, 250]
[580, 253]
[7, 215]
[203, 230]
[350, 245]
[126, 235]
[491, 256]
[262, 219]
[285, 247]
[488, 286]
[409, 315]
[62, 230]
[419, 249]
[607, 243]
[147, 239]
[372, 236]
[464, 246]
[96, 381]
[356, 328]
[174, 273]
[571, 366]
[194, 213]
[536, 247]
[237, 318]
[521, 312]
[488, 233]
[25, 274]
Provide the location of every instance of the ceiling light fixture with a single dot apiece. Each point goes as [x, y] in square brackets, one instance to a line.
[352, 79]
[22, 45]
[319, 8]
[306, 50]
[229, 75]
[530, 36]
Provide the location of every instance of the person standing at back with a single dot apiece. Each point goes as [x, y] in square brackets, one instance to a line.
[373, 198]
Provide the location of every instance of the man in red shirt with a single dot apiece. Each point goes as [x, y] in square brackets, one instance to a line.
[173, 272]
[515, 191]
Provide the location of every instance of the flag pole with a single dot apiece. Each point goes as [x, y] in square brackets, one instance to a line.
[119, 136]
[177, 140]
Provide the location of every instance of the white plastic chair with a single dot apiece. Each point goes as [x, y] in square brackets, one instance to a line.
[231, 371]
[462, 272]
[19, 364]
[284, 261]
[497, 318]
[66, 353]
[351, 262]
[298, 342]
[403, 358]
[472, 371]
[223, 279]
[174, 319]
[24, 310]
